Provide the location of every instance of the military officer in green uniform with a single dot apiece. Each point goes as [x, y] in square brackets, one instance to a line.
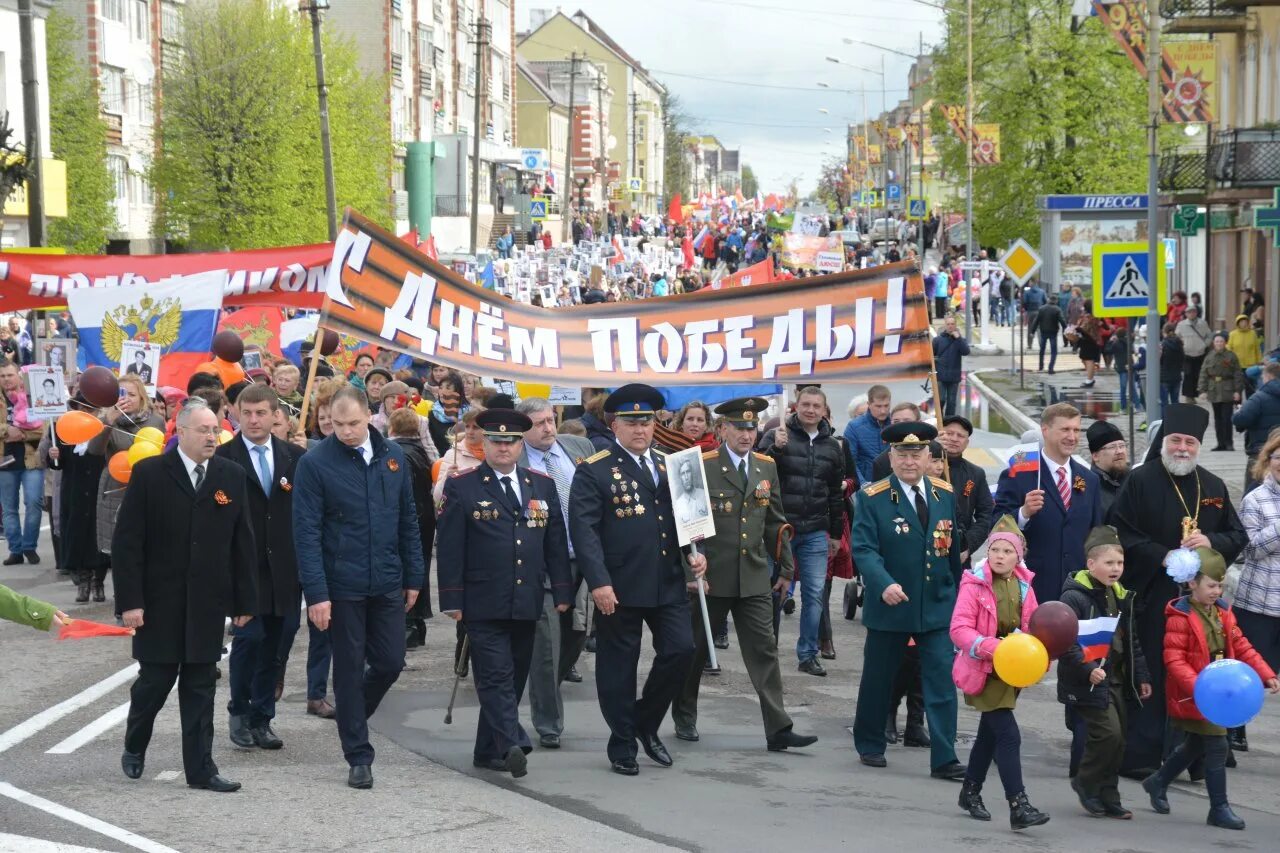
[750, 526]
[903, 544]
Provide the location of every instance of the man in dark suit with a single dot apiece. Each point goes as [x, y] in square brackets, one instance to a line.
[624, 535]
[140, 367]
[355, 529]
[556, 645]
[269, 465]
[501, 534]
[183, 557]
[1057, 506]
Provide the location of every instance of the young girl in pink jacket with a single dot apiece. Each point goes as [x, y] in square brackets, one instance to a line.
[995, 600]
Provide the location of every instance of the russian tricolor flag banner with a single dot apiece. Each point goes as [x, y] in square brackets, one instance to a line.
[1024, 457]
[1095, 636]
[179, 314]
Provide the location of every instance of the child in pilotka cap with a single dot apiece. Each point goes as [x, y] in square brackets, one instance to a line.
[1100, 673]
[1200, 629]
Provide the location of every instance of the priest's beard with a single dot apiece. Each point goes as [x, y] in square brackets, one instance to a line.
[1179, 463]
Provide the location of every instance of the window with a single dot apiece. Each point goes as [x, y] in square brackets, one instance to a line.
[144, 111]
[424, 46]
[640, 169]
[114, 10]
[119, 169]
[141, 21]
[139, 190]
[113, 93]
[171, 22]
[640, 130]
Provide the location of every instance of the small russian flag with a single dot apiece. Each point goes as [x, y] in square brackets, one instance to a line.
[1095, 636]
[1024, 457]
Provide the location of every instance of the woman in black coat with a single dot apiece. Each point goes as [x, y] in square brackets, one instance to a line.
[403, 429]
[77, 515]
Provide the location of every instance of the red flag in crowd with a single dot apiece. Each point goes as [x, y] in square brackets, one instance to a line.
[83, 629]
[675, 211]
[258, 327]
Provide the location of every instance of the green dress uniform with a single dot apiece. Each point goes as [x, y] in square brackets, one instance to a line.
[16, 607]
[997, 694]
[750, 527]
[891, 544]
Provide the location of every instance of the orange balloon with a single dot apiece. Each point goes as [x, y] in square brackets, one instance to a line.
[435, 470]
[78, 427]
[230, 371]
[120, 466]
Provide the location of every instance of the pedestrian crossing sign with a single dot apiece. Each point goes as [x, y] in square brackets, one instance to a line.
[916, 208]
[538, 208]
[1122, 280]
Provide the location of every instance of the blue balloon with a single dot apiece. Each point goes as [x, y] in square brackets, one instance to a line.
[1228, 693]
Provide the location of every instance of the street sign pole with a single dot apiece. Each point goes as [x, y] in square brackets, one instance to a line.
[1154, 246]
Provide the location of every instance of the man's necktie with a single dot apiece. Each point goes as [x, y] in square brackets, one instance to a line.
[561, 478]
[1064, 491]
[649, 472]
[511, 495]
[199, 476]
[922, 506]
[264, 474]
[742, 471]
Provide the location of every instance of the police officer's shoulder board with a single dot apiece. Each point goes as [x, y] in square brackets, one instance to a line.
[763, 457]
[941, 484]
[876, 487]
[711, 454]
[597, 456]
[660, 454]
[457, 473]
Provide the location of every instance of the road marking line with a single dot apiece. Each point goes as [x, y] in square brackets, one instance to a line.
[93, 824]
[25, 844]
[49, 716]
[100, 726]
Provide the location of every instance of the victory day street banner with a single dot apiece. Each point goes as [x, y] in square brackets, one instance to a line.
[860, 325]
[291, 276]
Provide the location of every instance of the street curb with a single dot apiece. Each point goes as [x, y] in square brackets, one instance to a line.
[1011, 412]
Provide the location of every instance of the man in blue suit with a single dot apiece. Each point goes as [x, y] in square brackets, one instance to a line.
[501, 531]
[1057, 506]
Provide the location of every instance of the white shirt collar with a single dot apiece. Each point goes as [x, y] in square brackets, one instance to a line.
[190, 465]
[366, 449]
[734, 458]
[250, 445]
[536, 456]
[1054, 466]
[514, 479]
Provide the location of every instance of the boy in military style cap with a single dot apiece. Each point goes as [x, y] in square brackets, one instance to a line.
[624, 537]
[750, 527]
[902, 537]
[500, 530]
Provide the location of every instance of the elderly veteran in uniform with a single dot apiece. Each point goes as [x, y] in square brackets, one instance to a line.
[750, 527]
[500, 531]
[624, 536]
[904, 544]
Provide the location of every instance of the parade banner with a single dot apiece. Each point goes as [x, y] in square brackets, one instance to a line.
[257, 327]
[292, 276]
[1188, 69]
[862, 325]
[761, 273]
[986, 144]
[800, 251]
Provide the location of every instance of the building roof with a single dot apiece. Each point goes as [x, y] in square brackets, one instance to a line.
[583, 20]
[539, 78]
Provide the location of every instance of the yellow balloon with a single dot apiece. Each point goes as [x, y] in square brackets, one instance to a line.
[1021, 660]
[142, 450]
[225, 436]
[423, 407]
[149, 435]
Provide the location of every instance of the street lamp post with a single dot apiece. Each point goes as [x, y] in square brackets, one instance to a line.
[315, 7]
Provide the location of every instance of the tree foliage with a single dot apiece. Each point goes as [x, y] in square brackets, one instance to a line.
[1071, 109]
[750, 183]
[677, 174]
[239, 164]
[78, 137]
[833, 188]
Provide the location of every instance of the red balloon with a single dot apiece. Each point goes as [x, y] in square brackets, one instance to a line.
[228, 346]
[329, 342]
[100, 387]
[1055, 624]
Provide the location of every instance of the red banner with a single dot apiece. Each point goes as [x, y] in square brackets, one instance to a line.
[293, 276]
[258, 327]
[761, 273]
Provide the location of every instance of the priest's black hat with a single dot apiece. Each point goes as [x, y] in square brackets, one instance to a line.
[1102, 433]
[1185, 419]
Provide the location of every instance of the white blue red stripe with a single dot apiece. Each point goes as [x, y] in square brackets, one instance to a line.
[1095, 636]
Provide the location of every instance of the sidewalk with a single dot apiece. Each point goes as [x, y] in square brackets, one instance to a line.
[1033, 391]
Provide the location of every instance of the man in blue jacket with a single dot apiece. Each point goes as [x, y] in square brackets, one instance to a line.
[1057, 506]
[1259, 415]
[355, 530]
[948, 350]
[862, 434]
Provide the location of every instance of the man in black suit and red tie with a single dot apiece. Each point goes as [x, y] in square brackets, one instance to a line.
[268, 464]
[183, 558]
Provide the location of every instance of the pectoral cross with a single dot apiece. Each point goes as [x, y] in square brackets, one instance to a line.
[1188, 528]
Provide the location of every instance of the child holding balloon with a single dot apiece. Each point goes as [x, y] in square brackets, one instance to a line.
[995, 601]
[1201, 631]
[1096, 679]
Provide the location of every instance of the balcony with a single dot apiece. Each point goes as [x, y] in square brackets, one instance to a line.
[397, 63]
[426, 77]
[1184, 171]
[115, 128]
[1203, 16]
[1246, 159]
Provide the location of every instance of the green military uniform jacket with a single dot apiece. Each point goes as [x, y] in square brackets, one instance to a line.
[750, 526]
[15, 607]
[890, 546]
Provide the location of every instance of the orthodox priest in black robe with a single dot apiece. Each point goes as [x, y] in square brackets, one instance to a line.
[1168, 502]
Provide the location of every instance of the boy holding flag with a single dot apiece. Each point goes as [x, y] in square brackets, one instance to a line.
[1100, 673]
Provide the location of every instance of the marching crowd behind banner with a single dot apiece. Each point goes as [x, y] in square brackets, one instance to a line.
[863, 325]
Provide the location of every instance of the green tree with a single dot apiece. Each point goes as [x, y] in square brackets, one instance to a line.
[1070, 106]
[78, 137]
[239, 163]
[833, 184]
[677, 174]
[750, 183]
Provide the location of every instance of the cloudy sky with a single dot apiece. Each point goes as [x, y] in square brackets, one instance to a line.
[747, 71]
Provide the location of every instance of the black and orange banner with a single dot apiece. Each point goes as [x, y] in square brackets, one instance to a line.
[861, 325]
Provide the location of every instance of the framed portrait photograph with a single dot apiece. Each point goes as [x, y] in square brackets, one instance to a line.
[690, 499]
[252, 360]
[59, 353]
[46, 392]
[141, 359]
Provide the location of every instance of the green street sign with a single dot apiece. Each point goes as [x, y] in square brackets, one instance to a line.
[1188, 220]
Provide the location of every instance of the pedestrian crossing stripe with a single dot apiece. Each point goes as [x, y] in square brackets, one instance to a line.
[1122, 280]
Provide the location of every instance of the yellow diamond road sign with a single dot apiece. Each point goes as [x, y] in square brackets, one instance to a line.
[1021, 261]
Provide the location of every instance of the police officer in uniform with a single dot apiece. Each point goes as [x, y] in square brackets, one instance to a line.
[746, 504]
[624, 536]
[500, 531]
[905, 545]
